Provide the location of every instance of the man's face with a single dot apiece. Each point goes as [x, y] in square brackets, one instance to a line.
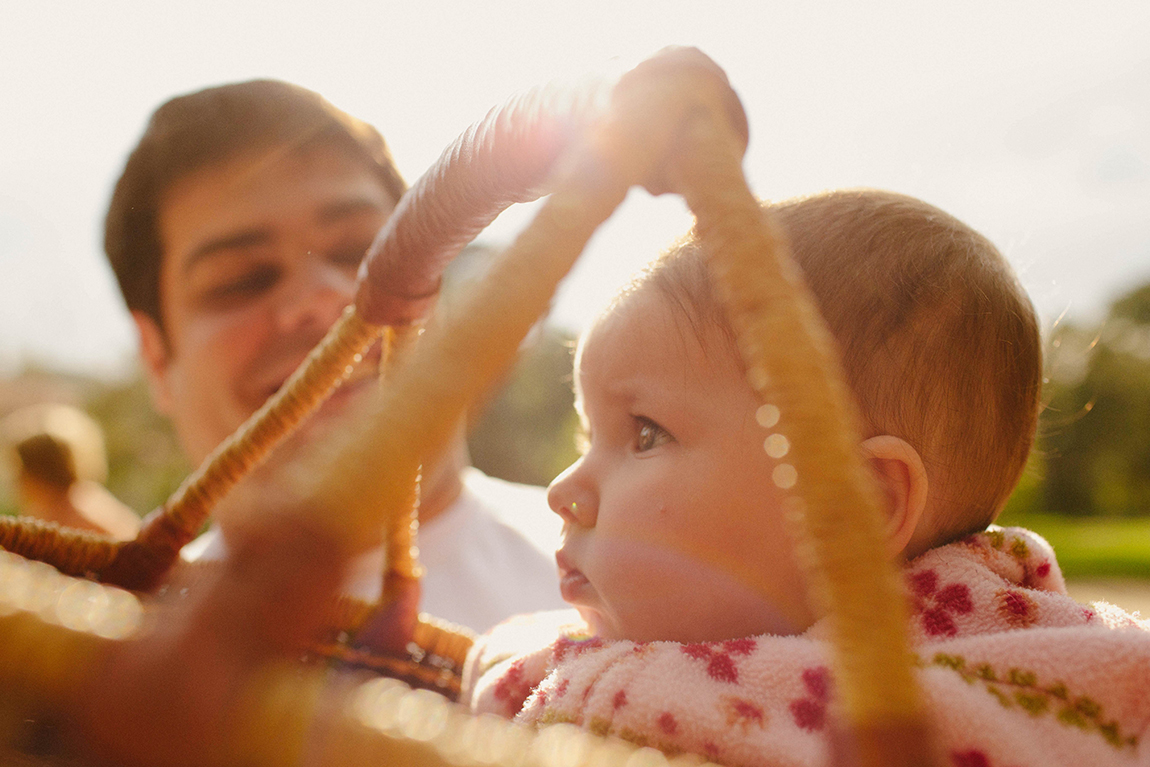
[259, 259]
[673, 527]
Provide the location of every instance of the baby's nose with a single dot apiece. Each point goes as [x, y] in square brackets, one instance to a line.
[570, 500]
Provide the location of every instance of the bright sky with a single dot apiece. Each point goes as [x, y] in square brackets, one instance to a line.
[1030, 120]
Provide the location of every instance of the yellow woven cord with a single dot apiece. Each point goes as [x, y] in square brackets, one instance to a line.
[792, 363]
[446, 640]
[437, 648]
[432, 634]
[401, 532]
[73, 552]
[183, 515]
[325, 367]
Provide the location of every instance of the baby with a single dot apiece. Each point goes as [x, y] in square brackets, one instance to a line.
[672, 508]
[940, 344]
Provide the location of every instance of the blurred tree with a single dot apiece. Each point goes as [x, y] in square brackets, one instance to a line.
[145, 464]
[1095, 437]
[527, 432]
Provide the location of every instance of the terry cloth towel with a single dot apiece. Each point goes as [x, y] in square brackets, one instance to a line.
[1015, 671]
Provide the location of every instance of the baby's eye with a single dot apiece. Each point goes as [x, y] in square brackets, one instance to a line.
[650, 435]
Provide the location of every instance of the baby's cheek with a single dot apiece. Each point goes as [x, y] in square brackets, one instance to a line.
[656, 593]
[643, 586]
[639, 569]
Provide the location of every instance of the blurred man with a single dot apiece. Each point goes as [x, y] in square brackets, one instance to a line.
[60, 464]
[235, 233]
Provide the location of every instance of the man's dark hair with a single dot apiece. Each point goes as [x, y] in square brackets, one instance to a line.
[211, 126]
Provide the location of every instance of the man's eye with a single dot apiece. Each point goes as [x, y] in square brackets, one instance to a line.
[349, 255]
[246, 285]
[650, 435]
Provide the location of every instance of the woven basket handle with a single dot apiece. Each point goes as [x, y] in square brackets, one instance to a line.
[504, 159]
[501, 160]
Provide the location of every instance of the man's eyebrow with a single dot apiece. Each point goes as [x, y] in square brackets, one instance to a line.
[244, 239]
[327, 214]
[346, 208]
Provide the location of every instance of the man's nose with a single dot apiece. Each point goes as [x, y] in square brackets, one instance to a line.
[572, 498]
[314, 295]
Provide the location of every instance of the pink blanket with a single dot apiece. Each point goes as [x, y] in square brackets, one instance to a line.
[1016, 672]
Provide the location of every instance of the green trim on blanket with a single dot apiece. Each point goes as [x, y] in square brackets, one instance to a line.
[996, 537]
[1018, 687]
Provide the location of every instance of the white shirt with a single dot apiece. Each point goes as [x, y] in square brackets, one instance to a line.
[487, 556]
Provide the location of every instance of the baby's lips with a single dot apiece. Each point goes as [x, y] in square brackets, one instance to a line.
[563, 562]
[573, 584]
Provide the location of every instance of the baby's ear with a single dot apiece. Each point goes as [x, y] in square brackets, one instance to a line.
[902, 477]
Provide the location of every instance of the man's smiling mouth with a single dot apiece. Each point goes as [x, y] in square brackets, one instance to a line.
[367, 369]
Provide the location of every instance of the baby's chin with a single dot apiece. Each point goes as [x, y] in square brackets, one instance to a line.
[686, 623]
[597, 625]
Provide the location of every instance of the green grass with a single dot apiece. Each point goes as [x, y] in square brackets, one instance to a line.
[1092, 546]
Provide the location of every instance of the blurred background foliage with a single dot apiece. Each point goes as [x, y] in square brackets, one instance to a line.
[527, 432]
[1087, 488]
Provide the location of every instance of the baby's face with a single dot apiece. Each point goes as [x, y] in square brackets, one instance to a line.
[673, 527]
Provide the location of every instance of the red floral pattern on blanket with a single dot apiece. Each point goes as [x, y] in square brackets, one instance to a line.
[1016, 608]
[1008, 660]
[720, 658]
[810, 713]
[936, 607]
